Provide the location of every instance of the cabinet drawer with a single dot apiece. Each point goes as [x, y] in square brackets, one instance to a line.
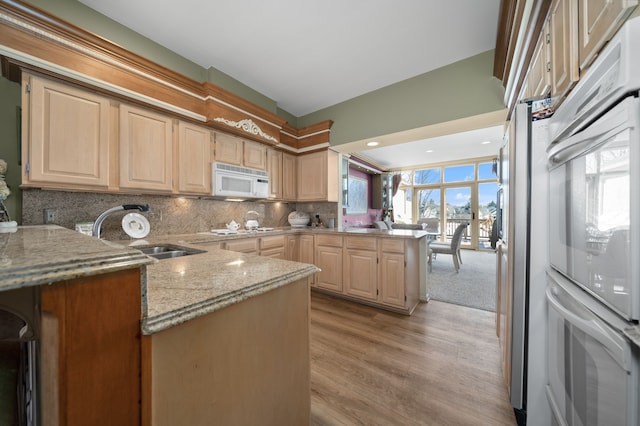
[393, 245]
[249, 245]
[274, 241]
[361, 243]
[329, 240]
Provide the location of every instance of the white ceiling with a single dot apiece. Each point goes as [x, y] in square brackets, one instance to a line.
[310, 54]
[470, 144]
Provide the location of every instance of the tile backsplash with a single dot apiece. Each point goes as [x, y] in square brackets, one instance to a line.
[168, 215]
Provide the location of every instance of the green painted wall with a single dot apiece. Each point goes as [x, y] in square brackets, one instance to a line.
[460, 90]
[463, 89]
[9, 146]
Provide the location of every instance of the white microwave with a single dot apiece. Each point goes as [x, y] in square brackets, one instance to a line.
[239, 182]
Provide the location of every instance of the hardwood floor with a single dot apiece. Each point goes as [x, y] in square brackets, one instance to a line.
[440, 366]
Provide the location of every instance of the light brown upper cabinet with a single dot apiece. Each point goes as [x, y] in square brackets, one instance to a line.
[598, 22]
[539, 77]
[65, 136]
[318, 176]
[194, 165]
[146, 149]
[274, 168]
[289, 177]
[233, 150]
[228, 149]
[563, 46]
[255, 155]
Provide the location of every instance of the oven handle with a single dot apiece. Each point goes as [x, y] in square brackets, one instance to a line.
[620, 118]
[590, 327]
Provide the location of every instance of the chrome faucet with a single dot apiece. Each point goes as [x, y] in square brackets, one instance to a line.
[98, 223]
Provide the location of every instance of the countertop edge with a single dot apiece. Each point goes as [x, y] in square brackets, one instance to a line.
[165, 321]
[49, 273]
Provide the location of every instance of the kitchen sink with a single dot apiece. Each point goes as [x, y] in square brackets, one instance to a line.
[168, 251]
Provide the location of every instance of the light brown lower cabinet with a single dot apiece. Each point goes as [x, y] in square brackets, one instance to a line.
[378, 271]
[361, 267]
[386, 272]
[328, 257]
[244, 245]
[91, 351]
[273, 246]
[306, 253]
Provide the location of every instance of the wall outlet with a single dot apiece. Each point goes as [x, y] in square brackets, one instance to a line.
[49, 216]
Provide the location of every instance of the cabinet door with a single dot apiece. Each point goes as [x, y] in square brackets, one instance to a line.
[329, 260]
[228, 149]
[68, 135]
[360, 274]
[194, 168]
[318, 176]
[146, 149]
[274, 168]
[306, 254]
[293, 248]
[255, 155]
[538, 78]
[563, 48]
[289, 177]
[392, 279]
[598, 22]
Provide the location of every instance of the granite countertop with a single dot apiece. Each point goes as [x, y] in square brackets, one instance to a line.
[35, 255]
[203, 237]
[184, 288]
[173, 290]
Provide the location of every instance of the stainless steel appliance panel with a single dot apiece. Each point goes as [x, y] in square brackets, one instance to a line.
[593, 233]
[593, 377]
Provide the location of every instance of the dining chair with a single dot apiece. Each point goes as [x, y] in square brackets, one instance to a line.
[452, 248]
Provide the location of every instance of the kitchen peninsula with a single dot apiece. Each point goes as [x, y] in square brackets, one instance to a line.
[225, 334]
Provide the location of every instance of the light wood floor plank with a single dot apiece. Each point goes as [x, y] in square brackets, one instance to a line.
[440, 366]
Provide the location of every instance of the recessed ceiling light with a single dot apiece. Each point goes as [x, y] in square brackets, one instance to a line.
[373, 143]
[486, 142]
[429, 150]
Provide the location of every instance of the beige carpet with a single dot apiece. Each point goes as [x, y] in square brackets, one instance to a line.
[473, 286]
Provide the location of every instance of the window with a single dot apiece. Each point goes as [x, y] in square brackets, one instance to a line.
[426, 176]
[459, 173]
[485, 171]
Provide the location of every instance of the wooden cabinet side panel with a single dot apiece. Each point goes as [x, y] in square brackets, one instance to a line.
[99, 347]
[208, 370]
